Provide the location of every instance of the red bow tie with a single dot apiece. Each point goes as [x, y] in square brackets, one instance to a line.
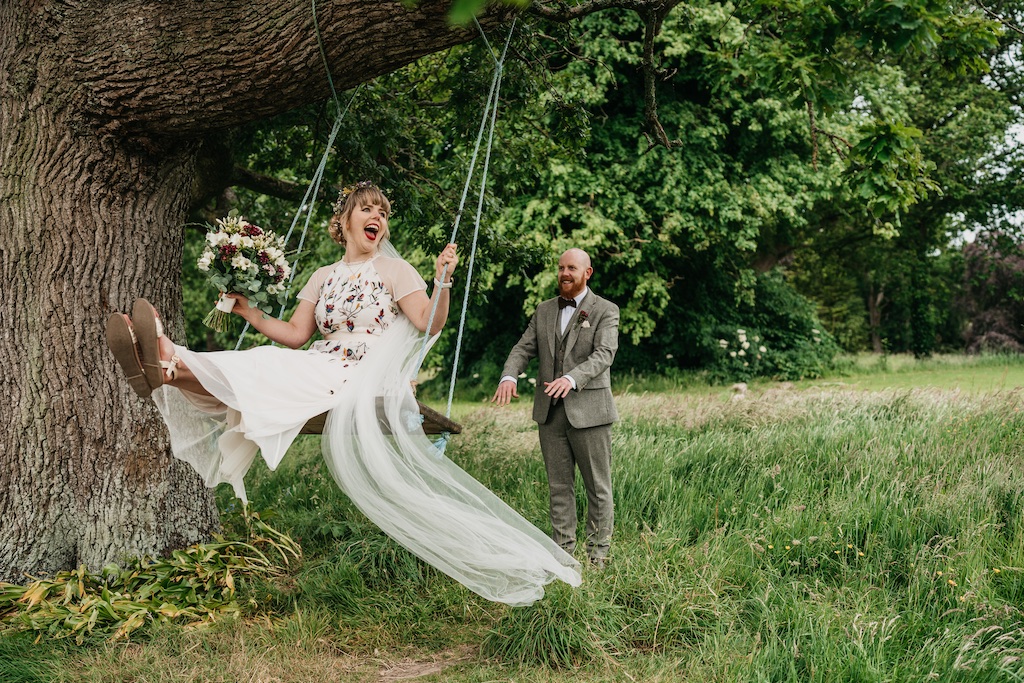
[563, 302]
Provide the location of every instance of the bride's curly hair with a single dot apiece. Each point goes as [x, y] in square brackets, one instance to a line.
[360, 194]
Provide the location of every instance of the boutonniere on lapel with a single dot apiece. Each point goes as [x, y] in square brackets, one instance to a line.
[581, 319]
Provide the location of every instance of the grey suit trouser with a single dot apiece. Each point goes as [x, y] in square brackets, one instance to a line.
[565, 448]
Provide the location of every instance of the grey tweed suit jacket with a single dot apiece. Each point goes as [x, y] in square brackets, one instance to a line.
[593, 338]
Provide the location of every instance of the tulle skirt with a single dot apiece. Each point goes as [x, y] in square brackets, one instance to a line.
[389, 469]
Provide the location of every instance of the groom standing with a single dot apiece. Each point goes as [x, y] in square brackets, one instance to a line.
[575, 337]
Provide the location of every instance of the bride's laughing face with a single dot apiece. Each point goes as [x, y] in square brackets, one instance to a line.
[367, 226]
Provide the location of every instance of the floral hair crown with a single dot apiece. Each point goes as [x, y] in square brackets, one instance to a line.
[348, 190]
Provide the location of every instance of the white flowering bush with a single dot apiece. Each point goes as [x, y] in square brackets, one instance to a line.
[242, 258]
[741, 356]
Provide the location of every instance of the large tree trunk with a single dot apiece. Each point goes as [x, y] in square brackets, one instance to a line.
[102, 106]
[87, 475]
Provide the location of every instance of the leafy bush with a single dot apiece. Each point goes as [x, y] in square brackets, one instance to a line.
[196, 585]
[779, 337]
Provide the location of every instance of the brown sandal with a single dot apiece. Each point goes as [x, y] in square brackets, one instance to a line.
[149, 329]
[158, 372]
[123, 344]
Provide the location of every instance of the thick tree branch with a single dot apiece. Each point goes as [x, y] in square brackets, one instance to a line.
[653, 13]
[652, 26]
[275, 187]
[183, 69]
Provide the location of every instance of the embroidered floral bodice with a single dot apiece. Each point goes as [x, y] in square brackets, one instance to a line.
[354, 305]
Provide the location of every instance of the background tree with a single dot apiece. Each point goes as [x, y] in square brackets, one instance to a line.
[683, 231]
[907, 278]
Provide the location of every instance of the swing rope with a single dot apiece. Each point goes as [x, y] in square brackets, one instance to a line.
[307, 206]
[488, 118]
[487, 121]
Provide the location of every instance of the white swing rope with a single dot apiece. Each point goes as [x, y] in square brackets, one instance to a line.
[487, 121]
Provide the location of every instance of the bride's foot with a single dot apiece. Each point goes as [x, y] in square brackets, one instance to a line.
[159, 361]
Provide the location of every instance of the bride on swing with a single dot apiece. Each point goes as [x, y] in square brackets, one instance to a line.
[370, 308]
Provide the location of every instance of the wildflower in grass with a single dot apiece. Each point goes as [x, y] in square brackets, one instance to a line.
[938, 573]
[787, 547]
[995, 570]
[771, 547]
[860, 554]
[795, 541]
[951, 582]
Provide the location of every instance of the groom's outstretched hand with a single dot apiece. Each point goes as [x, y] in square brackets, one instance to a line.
[505, 393]
[559, 388]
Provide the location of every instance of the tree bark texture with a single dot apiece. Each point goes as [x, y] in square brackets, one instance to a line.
[103, 109]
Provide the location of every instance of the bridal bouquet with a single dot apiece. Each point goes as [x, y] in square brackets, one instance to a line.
[242, 258]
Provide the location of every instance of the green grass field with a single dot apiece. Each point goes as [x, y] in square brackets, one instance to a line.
[866, 527]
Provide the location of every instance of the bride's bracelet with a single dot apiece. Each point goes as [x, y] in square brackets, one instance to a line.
[443, 285]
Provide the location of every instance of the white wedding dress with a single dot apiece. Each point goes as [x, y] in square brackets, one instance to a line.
[396, 477]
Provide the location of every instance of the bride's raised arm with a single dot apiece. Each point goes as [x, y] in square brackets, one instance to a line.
[417, 305]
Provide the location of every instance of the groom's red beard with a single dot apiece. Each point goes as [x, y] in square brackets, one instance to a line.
[570, 289]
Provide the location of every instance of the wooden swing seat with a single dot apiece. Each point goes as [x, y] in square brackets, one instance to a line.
[433, 421]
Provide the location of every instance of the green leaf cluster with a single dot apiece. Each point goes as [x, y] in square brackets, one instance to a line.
[196, 586]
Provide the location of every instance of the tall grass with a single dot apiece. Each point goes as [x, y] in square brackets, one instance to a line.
[785, 535]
